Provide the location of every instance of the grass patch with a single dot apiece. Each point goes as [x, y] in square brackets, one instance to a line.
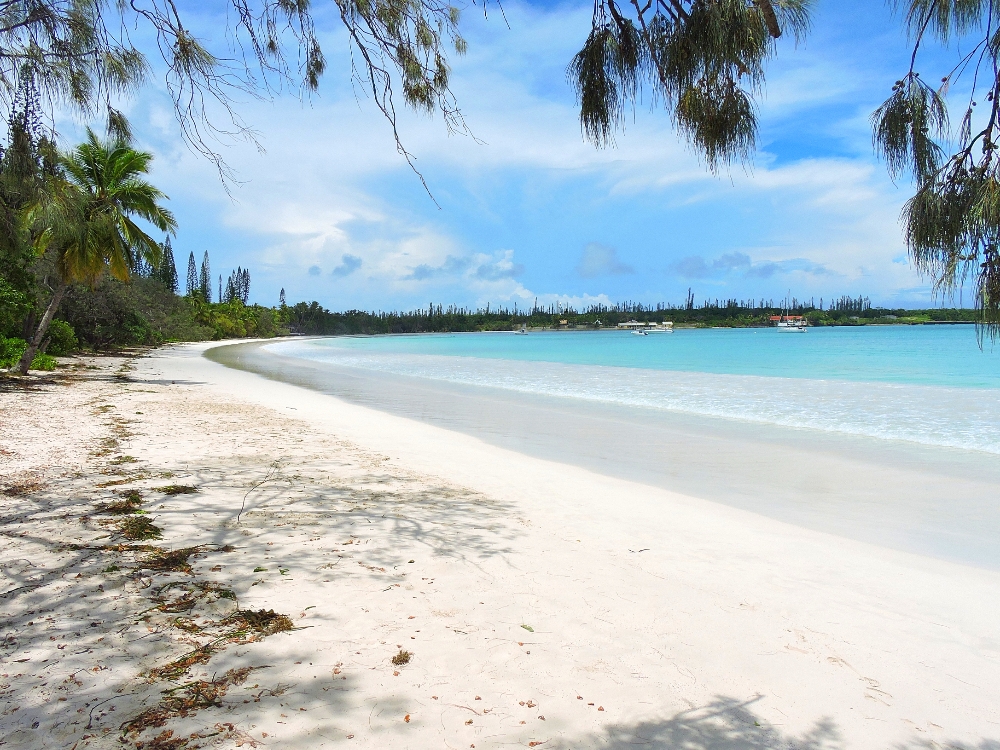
[139, 528]
[259, 569]
[177, 489]
[111, 569]
[124, 460]
[403, 657]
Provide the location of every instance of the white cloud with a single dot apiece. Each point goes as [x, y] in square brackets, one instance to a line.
[332, 193]
[601, 260]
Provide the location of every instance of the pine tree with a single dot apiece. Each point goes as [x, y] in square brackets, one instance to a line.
[167, 272]
[192, 275]
[238, 286]
[281, 298]
[220, 287]
[205, 278]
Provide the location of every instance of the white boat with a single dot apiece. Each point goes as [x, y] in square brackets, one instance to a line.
[642, 328]
[640, 333]
[792, 327]
[523, 330]
[791, 323]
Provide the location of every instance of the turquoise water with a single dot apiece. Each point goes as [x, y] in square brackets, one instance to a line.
[930, 385]
[920, 355]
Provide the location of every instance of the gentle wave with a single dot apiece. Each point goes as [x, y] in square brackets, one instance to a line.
[967, 419]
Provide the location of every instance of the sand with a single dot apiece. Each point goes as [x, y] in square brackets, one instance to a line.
[542, 604]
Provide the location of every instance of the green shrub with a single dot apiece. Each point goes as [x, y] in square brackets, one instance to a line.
[14, 305]
[12, 349]
[62, 339]
[43, 362]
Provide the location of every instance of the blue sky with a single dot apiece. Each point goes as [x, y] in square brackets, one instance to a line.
[330, 212]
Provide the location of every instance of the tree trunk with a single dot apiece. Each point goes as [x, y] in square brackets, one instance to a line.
[770, 18]
[43, 327]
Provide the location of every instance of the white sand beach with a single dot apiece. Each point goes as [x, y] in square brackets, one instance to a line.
[542, 605]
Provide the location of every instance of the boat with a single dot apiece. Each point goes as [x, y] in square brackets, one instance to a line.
[643, 328]
[522, 331]
[790, 323]
[640, 333]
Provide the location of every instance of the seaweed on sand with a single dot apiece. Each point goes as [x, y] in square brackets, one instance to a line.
[177, 489]
[138, 528]
[185, 700]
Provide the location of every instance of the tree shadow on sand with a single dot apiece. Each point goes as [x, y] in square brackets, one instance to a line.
[730, 724]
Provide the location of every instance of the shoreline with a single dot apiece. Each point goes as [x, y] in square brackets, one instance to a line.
[532, 583]
[879, 491]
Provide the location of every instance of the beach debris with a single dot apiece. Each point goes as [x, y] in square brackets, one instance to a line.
[468, 722]
[403, 657]
[176, 489]
[407, 718]
[528, 628]
[139, 528]
[478, 698]
[395, 674]
[411, 561]
[600, 708]
[260, 569]
[182, 701]
[175, 561]
[536, 744]
[130, 502]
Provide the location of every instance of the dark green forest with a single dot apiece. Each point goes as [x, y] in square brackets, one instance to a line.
[313, 319]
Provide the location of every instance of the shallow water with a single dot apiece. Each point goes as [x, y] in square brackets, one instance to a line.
[913, 466]
[928, 385]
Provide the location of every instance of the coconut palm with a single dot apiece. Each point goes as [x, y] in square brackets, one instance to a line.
[87, 220]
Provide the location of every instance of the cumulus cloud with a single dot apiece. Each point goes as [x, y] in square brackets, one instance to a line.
[348, 265]
[452, 266]
[697, 267]
[503, 267]
[601, 260]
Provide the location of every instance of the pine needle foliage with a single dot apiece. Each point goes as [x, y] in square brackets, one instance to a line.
[80, 54]
[952, 223]
[702, 60]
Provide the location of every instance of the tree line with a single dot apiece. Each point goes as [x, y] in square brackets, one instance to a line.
[313, 319]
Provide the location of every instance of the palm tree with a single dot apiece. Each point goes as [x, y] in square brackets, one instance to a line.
[86, 220]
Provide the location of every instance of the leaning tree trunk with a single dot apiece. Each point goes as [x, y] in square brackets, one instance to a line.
[43, 327]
